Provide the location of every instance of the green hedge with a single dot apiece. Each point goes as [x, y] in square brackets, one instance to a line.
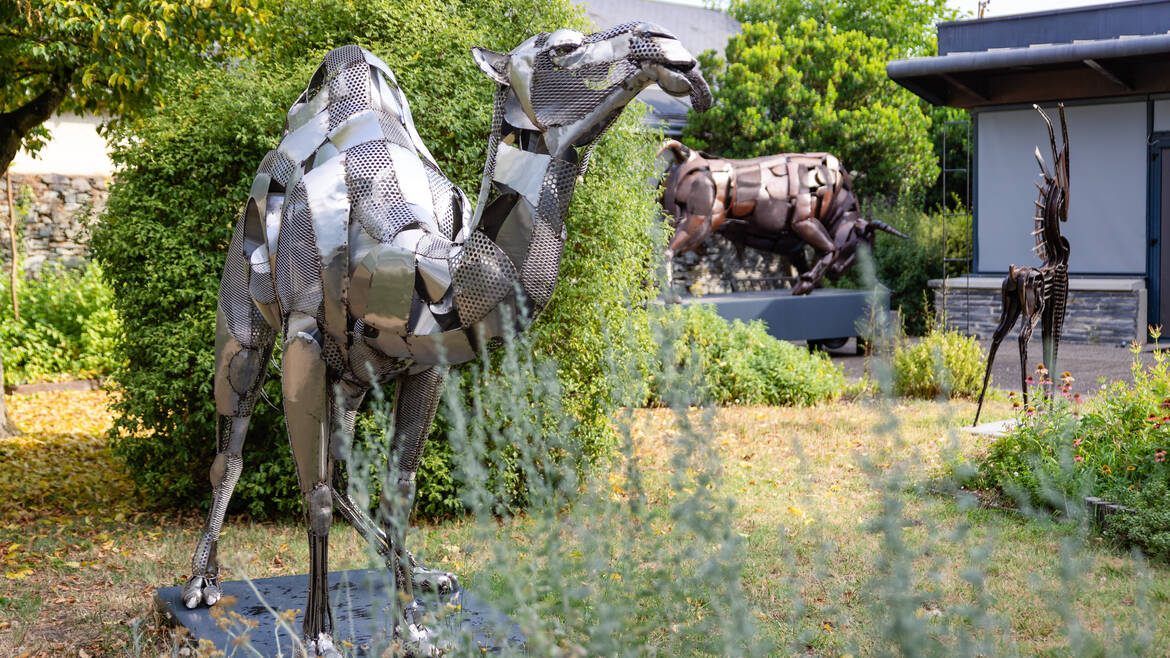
[739, 363]
[67, 326]
[186, 169]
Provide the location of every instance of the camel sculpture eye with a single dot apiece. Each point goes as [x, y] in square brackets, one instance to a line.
[563, 42]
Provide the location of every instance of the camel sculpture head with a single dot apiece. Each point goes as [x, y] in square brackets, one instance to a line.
[571, 86]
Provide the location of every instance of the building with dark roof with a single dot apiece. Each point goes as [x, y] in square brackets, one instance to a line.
[1110, 65]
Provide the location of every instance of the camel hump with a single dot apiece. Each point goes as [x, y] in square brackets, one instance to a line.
[349, 84]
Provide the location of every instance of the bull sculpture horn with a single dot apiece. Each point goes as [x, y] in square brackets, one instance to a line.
[882, 226]
[681, 151]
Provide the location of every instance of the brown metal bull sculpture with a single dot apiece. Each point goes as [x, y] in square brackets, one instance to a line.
[775, 203]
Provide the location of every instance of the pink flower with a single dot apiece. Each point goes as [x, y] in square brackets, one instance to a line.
[1160, 456]
[1078, 458]
[1076, 442]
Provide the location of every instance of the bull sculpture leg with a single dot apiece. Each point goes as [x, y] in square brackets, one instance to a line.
[813, 232]
[703, 213]
[1019, 295]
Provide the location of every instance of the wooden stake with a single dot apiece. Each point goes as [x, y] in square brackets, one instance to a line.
[12, 244]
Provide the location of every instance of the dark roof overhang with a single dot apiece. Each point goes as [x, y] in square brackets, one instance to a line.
[1089, 69]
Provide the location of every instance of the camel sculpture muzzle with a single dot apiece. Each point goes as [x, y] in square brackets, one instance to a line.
[367, 259]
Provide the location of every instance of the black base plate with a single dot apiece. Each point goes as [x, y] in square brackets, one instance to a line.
[361, 614]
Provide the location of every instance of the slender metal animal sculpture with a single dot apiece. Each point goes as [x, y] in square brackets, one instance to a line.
[1039, 292]
[357, 248]
[775, 203]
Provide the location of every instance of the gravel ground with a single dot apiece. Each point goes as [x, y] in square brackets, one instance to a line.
[1088, 363]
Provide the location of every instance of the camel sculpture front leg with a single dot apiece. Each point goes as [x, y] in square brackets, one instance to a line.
[243, 346]
[416, 400]
[308, 414]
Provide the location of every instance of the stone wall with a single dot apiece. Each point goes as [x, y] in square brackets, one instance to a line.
[49, 213]
[712, 272]
[1103, 317]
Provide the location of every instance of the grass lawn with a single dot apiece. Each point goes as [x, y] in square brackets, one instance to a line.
[823, 499]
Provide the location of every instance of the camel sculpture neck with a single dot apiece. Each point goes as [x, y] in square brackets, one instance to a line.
[523, 200]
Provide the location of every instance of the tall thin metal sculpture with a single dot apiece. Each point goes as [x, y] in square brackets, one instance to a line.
[1039, 292]
[368, 259]
[775, 203]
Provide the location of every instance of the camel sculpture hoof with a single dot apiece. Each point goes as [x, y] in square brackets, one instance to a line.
[322, 646]
[201, 589]
[435, 580]
[418, 640]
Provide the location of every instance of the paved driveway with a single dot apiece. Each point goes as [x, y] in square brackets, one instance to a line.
[1087, 363]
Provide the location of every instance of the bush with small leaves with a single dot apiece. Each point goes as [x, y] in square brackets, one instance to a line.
[941, 364]
[741, 363]
[67, 326]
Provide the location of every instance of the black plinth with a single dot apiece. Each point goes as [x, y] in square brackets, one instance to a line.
[360, 611]
[825, 313]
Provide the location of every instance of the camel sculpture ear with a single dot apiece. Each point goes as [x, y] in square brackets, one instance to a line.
[493, 64]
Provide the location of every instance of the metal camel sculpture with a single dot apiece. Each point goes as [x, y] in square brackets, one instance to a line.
[776, 203]
[366, 257]
[1039, 292]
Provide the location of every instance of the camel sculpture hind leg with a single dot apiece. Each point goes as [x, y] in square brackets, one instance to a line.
[1041, 291]
[365, 257]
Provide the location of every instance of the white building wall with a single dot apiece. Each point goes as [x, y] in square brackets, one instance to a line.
[74, 149]
[1107, 200]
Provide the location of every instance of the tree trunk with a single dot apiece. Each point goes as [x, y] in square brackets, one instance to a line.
[7, 427]
[15, 125]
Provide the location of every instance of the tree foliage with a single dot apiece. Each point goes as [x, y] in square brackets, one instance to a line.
[101, 55]
[186, 170]
[811, 87]
[906, 25]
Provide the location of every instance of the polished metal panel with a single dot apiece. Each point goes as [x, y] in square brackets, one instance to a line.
[436, 276]
[520, 170]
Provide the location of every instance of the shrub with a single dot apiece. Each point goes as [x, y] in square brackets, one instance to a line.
[1147, 524]
[906, 266]
[1115, 447]
[186, 169]
[66, 329]
[943, 363]
[742, 364]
